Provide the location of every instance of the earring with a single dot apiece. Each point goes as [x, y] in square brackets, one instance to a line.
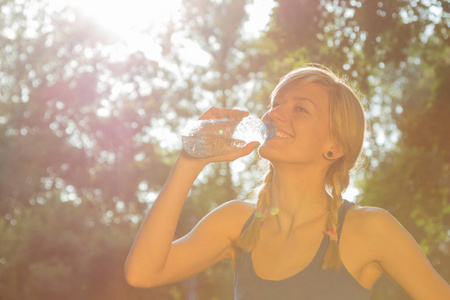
[330, 154]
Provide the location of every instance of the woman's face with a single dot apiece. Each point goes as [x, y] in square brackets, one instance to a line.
[301, 116]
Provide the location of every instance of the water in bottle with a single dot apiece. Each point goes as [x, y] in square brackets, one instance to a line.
[203, 138]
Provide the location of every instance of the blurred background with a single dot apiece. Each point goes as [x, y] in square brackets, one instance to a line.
[93, 95]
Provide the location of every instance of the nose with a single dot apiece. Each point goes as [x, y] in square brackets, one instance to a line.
[276, 114]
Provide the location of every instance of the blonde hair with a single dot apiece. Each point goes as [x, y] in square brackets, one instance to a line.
[347, 126]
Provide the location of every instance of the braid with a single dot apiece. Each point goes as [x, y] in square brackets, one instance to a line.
[337, 181]
[249, 237]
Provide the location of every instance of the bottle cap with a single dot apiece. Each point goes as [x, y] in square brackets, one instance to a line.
[270, 130]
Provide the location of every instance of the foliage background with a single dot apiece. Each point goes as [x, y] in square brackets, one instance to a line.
[88, 132]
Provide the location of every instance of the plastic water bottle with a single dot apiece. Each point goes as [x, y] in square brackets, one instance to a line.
[204, 138]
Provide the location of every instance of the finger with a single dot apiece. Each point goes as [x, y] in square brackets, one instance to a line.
[244, 151]
[245, 113]
[212, 113]
[235, 114]
[224, 113]
[230, 114]
[238, 114]
[252, 146]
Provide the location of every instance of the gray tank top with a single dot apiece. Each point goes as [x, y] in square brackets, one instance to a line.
[312, 283]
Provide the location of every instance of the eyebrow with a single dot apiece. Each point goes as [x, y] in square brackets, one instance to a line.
[301, 98]
[296, 98]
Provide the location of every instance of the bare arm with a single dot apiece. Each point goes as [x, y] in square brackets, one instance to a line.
[154, 259]
[402, 259]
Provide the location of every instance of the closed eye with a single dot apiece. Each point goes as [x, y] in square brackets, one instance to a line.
[300, 109]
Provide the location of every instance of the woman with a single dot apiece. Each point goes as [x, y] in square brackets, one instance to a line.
[294, 244]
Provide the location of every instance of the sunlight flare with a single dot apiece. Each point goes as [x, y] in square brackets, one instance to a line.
[130, 21]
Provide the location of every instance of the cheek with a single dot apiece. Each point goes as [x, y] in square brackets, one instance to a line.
[314, 135]
[322, 135]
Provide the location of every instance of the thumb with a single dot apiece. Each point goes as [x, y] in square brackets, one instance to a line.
[251, 146]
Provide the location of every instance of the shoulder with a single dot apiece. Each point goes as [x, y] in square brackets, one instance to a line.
[234, 209]
[229, 218]
[371, 212]
[370, 219]
[375, 227]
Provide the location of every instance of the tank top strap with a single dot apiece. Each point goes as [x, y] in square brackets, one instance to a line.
[243, 257]
[324, 245]
[345, 206]
[249, 220]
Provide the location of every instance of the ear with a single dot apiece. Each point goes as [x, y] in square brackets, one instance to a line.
[334, 152]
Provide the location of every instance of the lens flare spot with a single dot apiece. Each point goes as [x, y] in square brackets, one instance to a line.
[274, 211]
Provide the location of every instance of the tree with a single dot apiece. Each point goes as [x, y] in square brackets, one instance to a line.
[412, 181]
[74, 127]
[69, 98]
[53, 252]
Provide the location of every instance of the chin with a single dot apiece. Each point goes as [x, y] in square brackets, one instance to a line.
[269, 153]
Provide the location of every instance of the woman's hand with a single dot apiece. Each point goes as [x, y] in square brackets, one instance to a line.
[220, 113]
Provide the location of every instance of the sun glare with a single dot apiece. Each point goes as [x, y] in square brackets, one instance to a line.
[130, 20]
[135, 22]
[122, 16]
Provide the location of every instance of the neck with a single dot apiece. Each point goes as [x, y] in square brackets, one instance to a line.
[299, 194]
